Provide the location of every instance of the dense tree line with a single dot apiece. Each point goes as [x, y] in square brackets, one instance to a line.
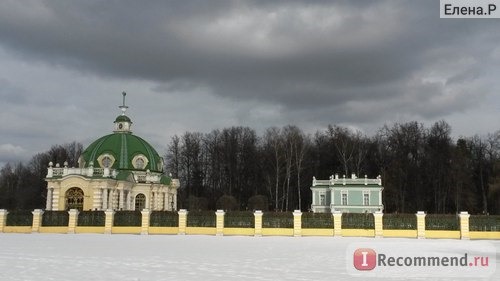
[422, 168]
[22, 186]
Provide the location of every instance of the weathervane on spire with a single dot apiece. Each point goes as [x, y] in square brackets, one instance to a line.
[123, 107]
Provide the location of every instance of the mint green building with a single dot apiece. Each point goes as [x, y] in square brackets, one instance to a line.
[347, 195]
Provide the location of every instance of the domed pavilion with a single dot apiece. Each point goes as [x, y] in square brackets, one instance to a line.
[119, 171]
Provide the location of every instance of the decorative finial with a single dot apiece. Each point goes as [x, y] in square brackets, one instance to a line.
[123, 107]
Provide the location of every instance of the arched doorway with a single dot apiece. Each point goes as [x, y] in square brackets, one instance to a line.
[74, 198]
[140, 202]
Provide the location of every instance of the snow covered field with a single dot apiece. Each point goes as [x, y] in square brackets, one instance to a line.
[165, 257]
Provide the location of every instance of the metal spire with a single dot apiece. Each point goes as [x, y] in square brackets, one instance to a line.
[123, 107]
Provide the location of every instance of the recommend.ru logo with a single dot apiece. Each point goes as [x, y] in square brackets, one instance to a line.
[421, 258]
[365, 259]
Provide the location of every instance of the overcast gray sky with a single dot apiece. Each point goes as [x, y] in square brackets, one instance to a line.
[202, 65]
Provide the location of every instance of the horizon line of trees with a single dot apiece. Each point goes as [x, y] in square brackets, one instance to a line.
[422, 168]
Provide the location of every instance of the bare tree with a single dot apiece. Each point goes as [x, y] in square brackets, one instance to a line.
[345, 145]
[273, 145]
[173, 156]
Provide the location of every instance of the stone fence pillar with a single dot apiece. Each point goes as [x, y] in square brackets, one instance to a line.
[145, 221]
[73, 220]
[3, 219]
[37, 220]
[108, 224]
[219, 222]
[258, 222]
[297, 223]
[378, 219]
[421, 224]
[464, 225]
[337, 223]
[182, 221]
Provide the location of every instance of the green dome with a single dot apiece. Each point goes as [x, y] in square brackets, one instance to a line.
[122, 151]
[122, 118]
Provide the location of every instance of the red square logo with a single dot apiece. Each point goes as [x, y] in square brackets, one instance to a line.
[365, 259]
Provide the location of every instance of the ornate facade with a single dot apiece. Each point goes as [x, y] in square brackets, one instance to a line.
[119, 171]
[347, 195]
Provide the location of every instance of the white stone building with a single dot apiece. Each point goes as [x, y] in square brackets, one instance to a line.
[118, 171]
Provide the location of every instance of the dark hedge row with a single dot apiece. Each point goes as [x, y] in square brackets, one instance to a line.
[277, 220]
[127, 218]
[399, 221]
[91, 218]
[201, 219]
[484, 223]
[20, 218]
[164, 218]
[358, 221]
[441, 222]
[55, 218]
[317, 220]
[243, 219]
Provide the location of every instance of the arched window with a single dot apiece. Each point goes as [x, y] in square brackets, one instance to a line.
[140, 202]
[74, 198]
[139, 163]
[106, 162]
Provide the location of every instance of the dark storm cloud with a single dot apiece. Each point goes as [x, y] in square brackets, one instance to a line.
[323, 60]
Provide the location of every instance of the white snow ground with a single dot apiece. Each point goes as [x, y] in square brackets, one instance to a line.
[171, 257]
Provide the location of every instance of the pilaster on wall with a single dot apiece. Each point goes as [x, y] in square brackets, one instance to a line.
[219, 222]
[464, 225]
[37, 220]
[297, 223]
[108, 224]
[55, 199]
[421, 224]
[97, 200]
[73, 220]
[378, 219]
[145, 221]
[258, 222]
[3, 219]
[337, 223]
[182, 221]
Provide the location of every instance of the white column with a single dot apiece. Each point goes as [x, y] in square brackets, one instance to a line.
[157, 199]
[129, 200]
[131, 203]
[149, 199]
[122, 195]
[105, 199]
[110, 199]
[166, 203]
[154, 203]
[158, 196]
[115, 199]
[161, 199]
[153, 200]
[97, 200]
[55, 199]
[175, 201]
[332, 197]
[48, 204]
[380, 197]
